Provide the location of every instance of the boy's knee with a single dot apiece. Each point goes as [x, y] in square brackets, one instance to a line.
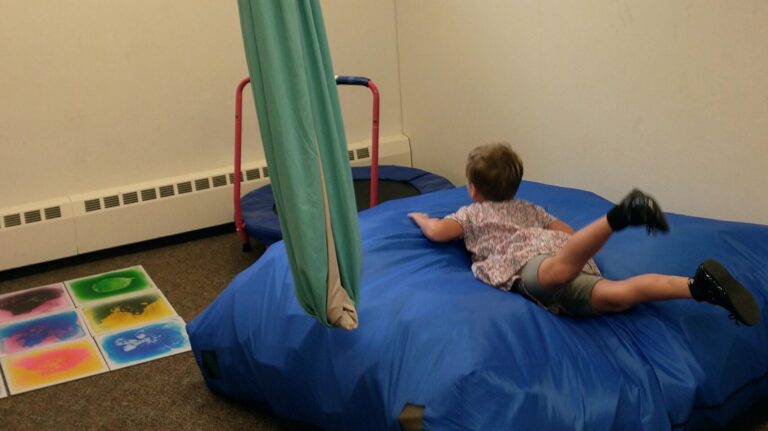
[604, 301]
[554, 273]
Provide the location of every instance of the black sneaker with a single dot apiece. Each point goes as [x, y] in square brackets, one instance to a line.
[714, 284]
[638, 209]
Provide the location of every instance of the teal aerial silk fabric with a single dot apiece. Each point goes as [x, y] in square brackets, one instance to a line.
[305, 146]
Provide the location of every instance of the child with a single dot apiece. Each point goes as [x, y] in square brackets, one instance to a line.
[516, 245]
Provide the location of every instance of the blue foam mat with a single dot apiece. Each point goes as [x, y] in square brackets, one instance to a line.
[477, 358]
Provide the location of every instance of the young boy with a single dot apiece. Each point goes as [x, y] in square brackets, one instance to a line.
[516, 245]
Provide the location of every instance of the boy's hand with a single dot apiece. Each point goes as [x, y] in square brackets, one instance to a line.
[437, 229]
[418, 217]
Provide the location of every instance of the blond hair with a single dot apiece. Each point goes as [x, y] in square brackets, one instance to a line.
[495, 171]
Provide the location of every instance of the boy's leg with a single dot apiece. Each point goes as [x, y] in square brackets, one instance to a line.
[712, 283]
[636, 209]
[563, 267]
[610, 296]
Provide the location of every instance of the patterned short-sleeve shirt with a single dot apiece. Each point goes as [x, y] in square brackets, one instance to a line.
[503, 236]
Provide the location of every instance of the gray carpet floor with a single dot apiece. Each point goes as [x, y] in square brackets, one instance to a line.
[168, 393]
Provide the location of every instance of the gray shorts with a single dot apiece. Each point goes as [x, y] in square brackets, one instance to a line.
[574, 299]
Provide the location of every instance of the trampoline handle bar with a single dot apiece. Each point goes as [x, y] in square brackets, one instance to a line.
[352, 80]
[365, 82]
[375, 146]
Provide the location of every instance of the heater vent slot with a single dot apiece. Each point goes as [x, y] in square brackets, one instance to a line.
[12, 220]
[232, 178]
[219, 180]
[363, 153]
[148, 195]
[266, 172]
[252, 174]
[184, 187]
[111, 201]
[52, 213]
[166, 191]
[202, 184]
[351, 155]
[130, 198]
[92, 205]
[32, 216]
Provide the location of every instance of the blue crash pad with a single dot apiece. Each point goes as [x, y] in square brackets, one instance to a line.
[477, 358]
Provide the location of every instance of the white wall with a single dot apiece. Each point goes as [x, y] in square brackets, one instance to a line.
[605, 95]
[597, 94]
[100, 93]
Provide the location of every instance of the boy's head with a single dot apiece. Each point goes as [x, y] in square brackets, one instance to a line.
[495, 171]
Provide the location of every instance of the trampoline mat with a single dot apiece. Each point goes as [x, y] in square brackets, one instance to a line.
[388, 190]
[395, 182]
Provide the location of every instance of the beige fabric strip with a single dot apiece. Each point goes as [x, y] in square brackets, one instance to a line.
[412, 418]
[340, 310]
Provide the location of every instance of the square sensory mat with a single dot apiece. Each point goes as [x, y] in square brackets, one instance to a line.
[127, 311]
[50, 365]
[109, 284]
[144, 343]
[34, 302]
[22, 335]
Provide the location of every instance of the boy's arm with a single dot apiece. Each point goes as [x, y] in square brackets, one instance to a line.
[561, 226]
[436, 229]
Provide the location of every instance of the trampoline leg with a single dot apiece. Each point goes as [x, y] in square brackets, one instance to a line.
[245, 240]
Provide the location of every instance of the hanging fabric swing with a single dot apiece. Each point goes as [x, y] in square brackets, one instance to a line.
[305, 146]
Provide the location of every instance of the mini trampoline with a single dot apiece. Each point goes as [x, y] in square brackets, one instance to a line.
[260, 215]
[256, 214]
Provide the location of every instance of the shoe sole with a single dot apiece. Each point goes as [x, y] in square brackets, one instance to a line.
[741, 299]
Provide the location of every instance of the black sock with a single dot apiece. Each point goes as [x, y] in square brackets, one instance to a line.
[695, 292]
[698, 291]
[617, 218]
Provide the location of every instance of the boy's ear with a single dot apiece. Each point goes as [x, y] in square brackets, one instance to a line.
[472, 191]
